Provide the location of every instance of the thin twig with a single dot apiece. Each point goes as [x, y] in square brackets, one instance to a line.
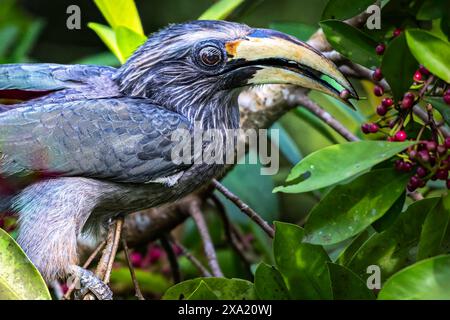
[208, 246]
[104, 266]
[195, 262]
[171, 256]
[137, 289]
[236, 245]
[244, 208]
[307, 103]
[86, 264]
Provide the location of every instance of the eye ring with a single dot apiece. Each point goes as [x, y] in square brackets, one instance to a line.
[210, 56]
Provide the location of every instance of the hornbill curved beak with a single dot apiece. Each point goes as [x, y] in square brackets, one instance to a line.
[281, 59]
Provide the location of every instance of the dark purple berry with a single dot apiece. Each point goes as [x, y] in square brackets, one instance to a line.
[447, 99]
[407, 102]
[378, 91]
[424, 155]
[441, 149]
[377, 75]
[373, 128]
[421, 172]
[448, 184]
[412, 154]
[447, 143]
[424, 70]
[381, 110]
[442, 174]
[431, 145]
[365, 128]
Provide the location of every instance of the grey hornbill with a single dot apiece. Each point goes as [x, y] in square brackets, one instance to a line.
[86, 143]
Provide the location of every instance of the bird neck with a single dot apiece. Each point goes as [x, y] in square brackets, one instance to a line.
[220, 111]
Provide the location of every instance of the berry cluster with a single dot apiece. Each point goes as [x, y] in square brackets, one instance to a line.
[429, 158]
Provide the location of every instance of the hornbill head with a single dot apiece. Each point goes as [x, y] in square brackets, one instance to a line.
[195, 61]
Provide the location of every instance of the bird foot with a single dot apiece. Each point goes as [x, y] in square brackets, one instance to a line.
[89, 283]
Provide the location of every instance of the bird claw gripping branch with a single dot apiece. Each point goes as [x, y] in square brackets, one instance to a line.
[87, 142]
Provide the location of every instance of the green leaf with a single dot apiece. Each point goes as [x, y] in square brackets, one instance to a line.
[346, 285]
[302, 265]
[431, 9]
[220, 10]
[202, 292]
[443, 108]
[108, 36]
[425, 280]
[224, 289]
[349, 252]
[351, 42]
[315, 122]
[340, 10]
[269, 283]
[301, 31]
[348, 209]
[393, 249]
[391, 215]
[286, 144]
[128, 41]
[148, 281]
[19, 279]
[398, 66]
[121, 13]
[430, 51]
[7, 37]
[28, 40]
[434, 230]
[337, 163]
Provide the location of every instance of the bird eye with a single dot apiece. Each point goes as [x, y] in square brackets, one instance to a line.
[210, 56]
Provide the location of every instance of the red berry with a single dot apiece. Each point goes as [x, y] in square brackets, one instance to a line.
[378, 91]
[442, 174]
[373, 128]
[447, 99]
[417, 76]
[380, 49]
[387, 102]
[136, 259]
[400, 136]
[155, 254]
[447, 143]
[381, 110]
[397, 32]
[377, 75]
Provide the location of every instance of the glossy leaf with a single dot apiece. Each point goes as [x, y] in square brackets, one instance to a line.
[430, 51]
[348, 209]
[148, 281]
[426, 280]
[202, 292]
[391, 215]
[337, 163]
[434, 230]
[269, 283]
[340, 10]
[351, 42]
[220, 10]
[121, 13]
[19, 279]
[108, 37]
[28, 40]
[393, 249]
[346, 285]
[128, 41]
[432, 9]
[224, 289]
[443, 108]
[398, 66]
[302, 265]
[299, 30]
[349, 252]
